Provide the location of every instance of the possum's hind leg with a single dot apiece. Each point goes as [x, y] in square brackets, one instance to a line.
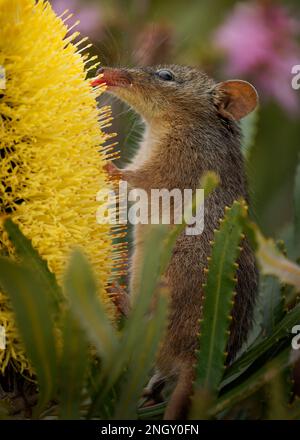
[180, 401]
[152, 394]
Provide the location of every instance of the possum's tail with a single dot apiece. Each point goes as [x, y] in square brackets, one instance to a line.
[180, 401]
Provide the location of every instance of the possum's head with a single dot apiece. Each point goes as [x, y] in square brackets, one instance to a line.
[169, 92]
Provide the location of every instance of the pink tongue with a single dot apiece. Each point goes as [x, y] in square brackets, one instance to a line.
[97, 81]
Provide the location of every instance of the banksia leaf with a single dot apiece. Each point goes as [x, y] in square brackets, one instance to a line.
[269, 308]
[133, 332]
[73, 366]
[272, 303]
[272, 261]
[81, 290]
[257, 379]
[33, 312]
[52, 155]
[218, 299]
[141, 361]
[281, 335]
[26, 252]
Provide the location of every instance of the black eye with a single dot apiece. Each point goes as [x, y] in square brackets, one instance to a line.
[165, 75]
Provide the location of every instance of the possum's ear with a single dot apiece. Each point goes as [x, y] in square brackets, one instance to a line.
[235, 99]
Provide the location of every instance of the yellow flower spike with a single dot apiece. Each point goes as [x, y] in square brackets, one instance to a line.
[50, 137]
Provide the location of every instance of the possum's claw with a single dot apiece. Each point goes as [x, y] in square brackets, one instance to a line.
[112, 170]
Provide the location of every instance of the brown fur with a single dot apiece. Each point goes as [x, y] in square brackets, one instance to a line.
[189, 130]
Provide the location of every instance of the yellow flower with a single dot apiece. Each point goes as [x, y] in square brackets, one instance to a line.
[51, 148]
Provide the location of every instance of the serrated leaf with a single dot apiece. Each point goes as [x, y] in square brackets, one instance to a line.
[73, 366]
[30, 303]
[81, 290]
[282, 332]
[218, 296]
[272, 304]
[258, 379]
[131, 335]
[141, 362]
[273, 262]
[34, 261]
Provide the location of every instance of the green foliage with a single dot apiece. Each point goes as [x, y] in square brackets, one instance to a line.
[273, 262]
[136, 329]
[280, 336]
[272, 304]
[125, 358]
[218, 299]
[278, 396]
[268, 372]
[81, 290]
[92, 369]
[140, 363]
[27, 254]
[72, 368]
[29, 299]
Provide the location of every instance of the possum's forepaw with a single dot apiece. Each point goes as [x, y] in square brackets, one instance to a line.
[120, 299]
[116, 173]
[112, 170]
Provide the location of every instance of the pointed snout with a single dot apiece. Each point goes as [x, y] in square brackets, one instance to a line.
[112, 77]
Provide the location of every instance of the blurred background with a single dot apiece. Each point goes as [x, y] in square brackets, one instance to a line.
[256, 40]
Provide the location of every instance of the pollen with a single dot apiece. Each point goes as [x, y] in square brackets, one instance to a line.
[52, 153]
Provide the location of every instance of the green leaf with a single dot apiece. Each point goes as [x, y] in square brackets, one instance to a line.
[268, 311]
[152, 412]
[249, 126]
[272, 304]
[72, 368]
[278, 396]
[30, 302]
[81, 289]
[34, 261]
[281, 332]
[218, 299]
[131, 335]
[140, 363]
[258, 379]
[294, 410]
[272, 261]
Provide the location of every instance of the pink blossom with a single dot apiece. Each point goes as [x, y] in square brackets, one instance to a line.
[88, 13]
[260, 41]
